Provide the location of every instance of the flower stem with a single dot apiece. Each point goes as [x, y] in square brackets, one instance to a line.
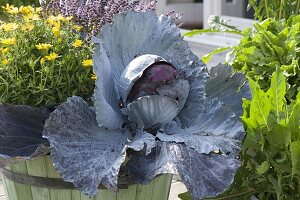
[266, 6]
[280, 10]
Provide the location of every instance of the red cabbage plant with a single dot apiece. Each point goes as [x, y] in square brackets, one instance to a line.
[154, 97]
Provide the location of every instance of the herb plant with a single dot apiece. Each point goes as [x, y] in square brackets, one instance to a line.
[93, 14]
[271, 149]
[280, 9]
[271, 44]
[42, 60]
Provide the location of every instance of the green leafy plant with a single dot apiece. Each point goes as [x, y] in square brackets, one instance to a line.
[270, 44]
[280, 9]
[271, 148]
[17, 3]
[216, 25]
[42, 60]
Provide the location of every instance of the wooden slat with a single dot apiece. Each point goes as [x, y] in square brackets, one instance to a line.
[76, 195]
[106, 195]
[38, 167]
[158, 189]
[144, 192]
[10, 188]
[127, 194]
[23, 191]
[161, 187]
[84, 197]
[56, 194]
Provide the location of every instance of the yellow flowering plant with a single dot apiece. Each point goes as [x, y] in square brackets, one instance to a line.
[42, 59]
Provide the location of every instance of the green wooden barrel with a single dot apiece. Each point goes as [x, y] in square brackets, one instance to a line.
[158, 189]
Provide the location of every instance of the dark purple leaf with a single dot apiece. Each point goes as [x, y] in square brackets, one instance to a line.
[204, 175]
[216, 128]
[228, 87]
[85, 154]
[21, 130]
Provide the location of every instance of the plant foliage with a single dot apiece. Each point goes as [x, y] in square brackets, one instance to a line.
[17, 3]
[271, 147]
[280, 9]
[42, 60]
[271, 44]
[93, 14]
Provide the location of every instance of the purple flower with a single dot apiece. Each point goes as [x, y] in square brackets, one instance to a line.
[93, 14]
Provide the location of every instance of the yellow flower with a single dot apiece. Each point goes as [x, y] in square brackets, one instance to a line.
[94, 77]
[5, 62]
[8, 41]
[51, 56]
[77, 43]
[77, 28]
[10, 27]
[43, 46]
[59, 17]
[54, 19]
[59, 40]
[67, 19]
[5, 50]
[87, 63]
[42, 61]
[25, 10]
[27, 27]
[51, 20]
[38, 9]
[30, 16]
[56, 29]
[10, 9]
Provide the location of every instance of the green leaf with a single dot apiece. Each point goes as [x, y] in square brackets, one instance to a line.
[277, 91]
[201, 31]
[280, 135]
[260, 104]
[294, 122]
[206, 58]
[295, 156]
[263, 167]
[185, 196]
[216, 23]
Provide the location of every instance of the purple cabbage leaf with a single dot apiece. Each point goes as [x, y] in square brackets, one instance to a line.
[21, 130]
[205, 175]
[86, 154]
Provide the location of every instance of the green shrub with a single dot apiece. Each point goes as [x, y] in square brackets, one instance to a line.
[20, 2]
[42, 60]
[278, 10]
[16, 3]
[271, 44]
[271, 149]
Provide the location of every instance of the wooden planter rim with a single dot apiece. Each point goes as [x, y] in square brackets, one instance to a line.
[55, 183]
